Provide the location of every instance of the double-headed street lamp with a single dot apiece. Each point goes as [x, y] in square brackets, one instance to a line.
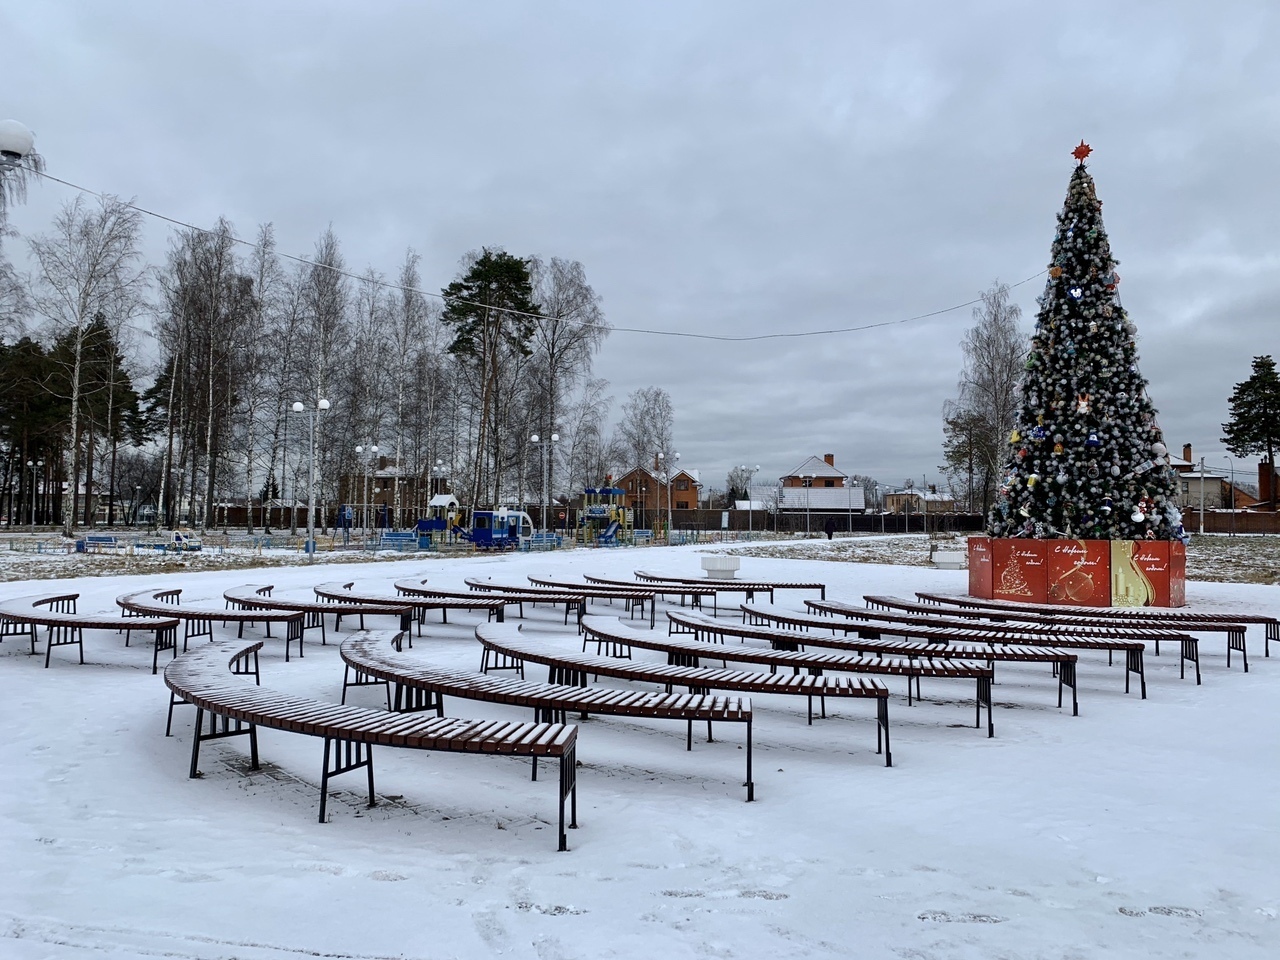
[546, 473]
[751, 507]
[670, 470]
[35, 466]
[321, 406]
[364, 503]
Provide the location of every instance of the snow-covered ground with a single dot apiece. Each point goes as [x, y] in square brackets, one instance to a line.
[1138, 829]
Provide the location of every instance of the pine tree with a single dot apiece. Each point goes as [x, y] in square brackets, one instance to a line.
[1087, 457]
[1254, 426]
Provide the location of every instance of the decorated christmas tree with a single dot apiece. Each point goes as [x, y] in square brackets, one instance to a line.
[1087, 457]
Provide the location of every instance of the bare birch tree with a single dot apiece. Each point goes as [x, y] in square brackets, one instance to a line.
[977, 424]
[87, 267]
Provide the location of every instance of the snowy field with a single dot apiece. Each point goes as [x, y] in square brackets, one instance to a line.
[1138, 829]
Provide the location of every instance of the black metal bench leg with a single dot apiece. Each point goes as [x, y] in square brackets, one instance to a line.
[710, 738]
[195, 744]
[882, 726]
[750, 784]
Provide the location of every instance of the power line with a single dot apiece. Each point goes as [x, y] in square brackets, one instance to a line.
[386, 284]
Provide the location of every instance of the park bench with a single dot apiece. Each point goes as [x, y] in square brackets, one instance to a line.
[255, 597]
[632, 596]
[199, 621]
[899, 610]
[694, 593]
[100, 542]
[345, 593]
[1063, 662]
[1234, 625]
[419, 685]
[749, 587]
[228, 705]
[401, 540]
[542, 541]
[516, 595]
[505, 649]
[873, 624]
[64, 627]
[618, 638]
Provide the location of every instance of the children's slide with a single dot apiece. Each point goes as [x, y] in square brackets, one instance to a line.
[610, 535]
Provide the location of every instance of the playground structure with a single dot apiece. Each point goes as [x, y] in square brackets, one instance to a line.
[444, 515]
[500, 529]
[603, 520]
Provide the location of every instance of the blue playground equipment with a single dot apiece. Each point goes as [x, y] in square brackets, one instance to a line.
[603, 520]
[500, 529]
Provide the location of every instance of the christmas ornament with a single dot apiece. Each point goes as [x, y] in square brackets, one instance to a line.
[1055, 272]
[1082, 151]
[1092, 440]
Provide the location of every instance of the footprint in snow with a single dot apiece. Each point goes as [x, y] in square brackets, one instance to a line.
[942, 916]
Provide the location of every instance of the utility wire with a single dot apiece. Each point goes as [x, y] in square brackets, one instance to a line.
[790, 335]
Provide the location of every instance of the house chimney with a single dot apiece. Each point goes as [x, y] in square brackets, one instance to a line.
[1186, 452]
[830, 459]
[1266, 490]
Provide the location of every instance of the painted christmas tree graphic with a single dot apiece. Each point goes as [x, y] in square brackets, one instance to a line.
[1087, 457]
[1012, 581]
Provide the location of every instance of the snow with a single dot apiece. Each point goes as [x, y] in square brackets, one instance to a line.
[1138, 829]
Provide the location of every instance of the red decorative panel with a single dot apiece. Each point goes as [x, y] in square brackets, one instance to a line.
[1079, 572]
[980, 567]
[1020, 570]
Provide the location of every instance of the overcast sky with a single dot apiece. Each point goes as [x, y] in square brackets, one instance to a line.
[729, 168]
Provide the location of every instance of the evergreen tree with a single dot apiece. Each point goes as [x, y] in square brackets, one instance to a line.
[1254, 426]
[1087, 457]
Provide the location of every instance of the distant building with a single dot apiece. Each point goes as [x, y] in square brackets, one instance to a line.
[917, 501]
[817, 486]
[647, 490]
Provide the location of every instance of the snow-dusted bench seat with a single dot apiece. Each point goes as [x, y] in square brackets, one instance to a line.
[228, 704]
[419, 685]
[506, 649]
[57, 612]
[1194, 621]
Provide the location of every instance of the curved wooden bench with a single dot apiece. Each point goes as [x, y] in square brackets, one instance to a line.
[605, 631]
[875, 625]
[344, 593]
[420, 588]
[1131, 641]
[694, 593]
[1232, 624]
[505, 649]
[236, 707]
[529, 594]
[749, 586]
[419, 685]
[66, 627]
[255, 597]
[1063, 662]
[199, 621]
[631, 596]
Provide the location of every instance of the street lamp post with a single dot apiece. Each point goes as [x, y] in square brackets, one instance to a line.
[137, 495]
[751, 473]
[35, 466]
[546, 473]
[807, 479]
[321, 406]
[364, 502]
[1232, 493]
[1202, 495]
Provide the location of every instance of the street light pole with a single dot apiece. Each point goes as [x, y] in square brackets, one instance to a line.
[321, 405]
[670, 475]
[1202, 494]
[364, 502]
[1232, 494]
[808, 479]
[546, 473]
[35, 466]
[751, 475]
